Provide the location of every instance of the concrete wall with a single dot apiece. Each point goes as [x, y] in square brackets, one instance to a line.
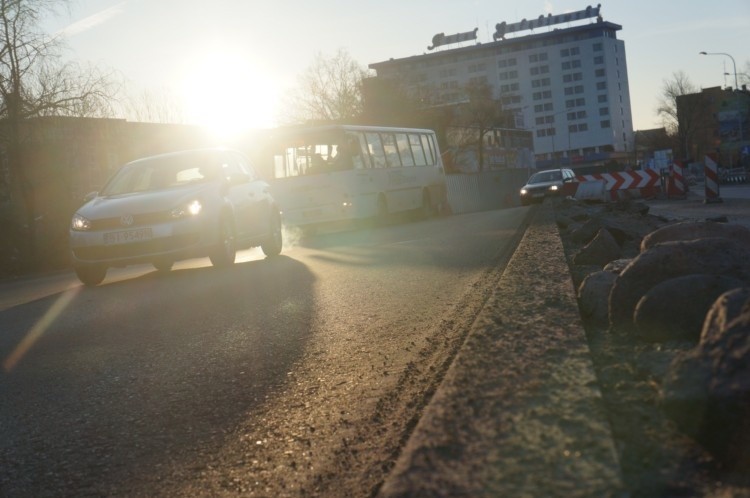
[496, 189]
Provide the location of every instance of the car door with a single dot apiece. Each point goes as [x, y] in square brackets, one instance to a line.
[239, 193]
[258, 214]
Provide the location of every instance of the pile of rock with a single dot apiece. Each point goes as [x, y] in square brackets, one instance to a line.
[685, 282]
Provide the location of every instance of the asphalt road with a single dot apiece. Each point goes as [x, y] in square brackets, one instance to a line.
[294, 376]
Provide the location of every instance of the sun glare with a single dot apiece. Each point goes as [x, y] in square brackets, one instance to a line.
[227, 94]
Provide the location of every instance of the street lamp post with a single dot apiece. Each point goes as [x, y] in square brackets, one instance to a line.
[734, 64]
[736, 85]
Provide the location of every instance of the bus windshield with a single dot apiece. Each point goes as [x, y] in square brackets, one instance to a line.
[316, 153]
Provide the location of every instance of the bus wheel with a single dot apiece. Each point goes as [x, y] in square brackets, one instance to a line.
[382, 213]
[428, 210]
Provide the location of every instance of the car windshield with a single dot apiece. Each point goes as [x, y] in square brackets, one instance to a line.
[163, 172]
[546, 176]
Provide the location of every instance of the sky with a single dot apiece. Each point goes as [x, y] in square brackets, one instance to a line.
[230, 62]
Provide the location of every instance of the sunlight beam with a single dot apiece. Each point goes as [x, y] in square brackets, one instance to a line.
[39, 328]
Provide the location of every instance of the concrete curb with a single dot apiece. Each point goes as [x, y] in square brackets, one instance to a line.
[539, 427]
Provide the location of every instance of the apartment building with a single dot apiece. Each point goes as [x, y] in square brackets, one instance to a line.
[565, 77]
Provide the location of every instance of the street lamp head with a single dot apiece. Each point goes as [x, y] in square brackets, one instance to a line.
[702, 53]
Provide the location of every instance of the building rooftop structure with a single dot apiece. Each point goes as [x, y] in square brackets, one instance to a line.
[568, 85]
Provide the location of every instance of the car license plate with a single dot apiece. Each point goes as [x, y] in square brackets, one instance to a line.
[538, 194]
[127, 236]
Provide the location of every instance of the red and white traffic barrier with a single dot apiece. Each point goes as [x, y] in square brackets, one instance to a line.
[711, 170]
[620, 184]
[676, 185]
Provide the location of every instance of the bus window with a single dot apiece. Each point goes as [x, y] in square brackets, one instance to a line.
[416, 149]
[365, 152]
[376, 150]
[404, 150]
[428, 149]
[278, 166]
[391, 151]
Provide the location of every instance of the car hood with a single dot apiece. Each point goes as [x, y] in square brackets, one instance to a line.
[142, 202]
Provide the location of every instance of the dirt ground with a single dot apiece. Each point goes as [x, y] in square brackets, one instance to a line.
[656, 459]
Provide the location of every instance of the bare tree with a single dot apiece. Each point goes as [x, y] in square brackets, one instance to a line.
[684, 120]
[329, 90]
[666, 109]
[153, 106]
[479, 114]
[744, 76]
[35, 82]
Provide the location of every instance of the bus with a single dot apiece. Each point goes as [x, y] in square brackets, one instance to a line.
[338, 173]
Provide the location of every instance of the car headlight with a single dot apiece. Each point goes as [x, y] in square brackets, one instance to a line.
[80, 223]
[524, 191]
[192, 208]
[553, 188]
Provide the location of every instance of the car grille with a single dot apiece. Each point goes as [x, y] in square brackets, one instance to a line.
[138, 220]
[136, 249]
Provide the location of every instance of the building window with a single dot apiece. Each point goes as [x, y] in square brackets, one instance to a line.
[599, 73]
[575, 51]
[605, 124]
[601, 85]
[565, 52]
[598, 47]
[604, 111]
[476, 68]
[599, 59]
[580, 102]
[602, 98]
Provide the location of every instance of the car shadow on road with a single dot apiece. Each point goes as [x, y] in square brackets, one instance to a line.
[144, 375]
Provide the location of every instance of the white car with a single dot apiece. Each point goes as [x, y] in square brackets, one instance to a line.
[161, 209]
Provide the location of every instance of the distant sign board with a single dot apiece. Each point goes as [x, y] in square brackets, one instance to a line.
[440, 38]
[503, 28]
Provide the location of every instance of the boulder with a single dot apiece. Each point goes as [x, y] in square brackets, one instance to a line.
[692, 230]
[718, 256]
[592, 296]
[618, 265]
[586, 232]
[676, 308]
[707, 390]
[600, 251]
[563, 222]
[726, 309]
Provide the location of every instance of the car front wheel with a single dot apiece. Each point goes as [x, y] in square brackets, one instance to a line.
[226, 250]
[91, 275]
[163, 264]
[274, 242]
